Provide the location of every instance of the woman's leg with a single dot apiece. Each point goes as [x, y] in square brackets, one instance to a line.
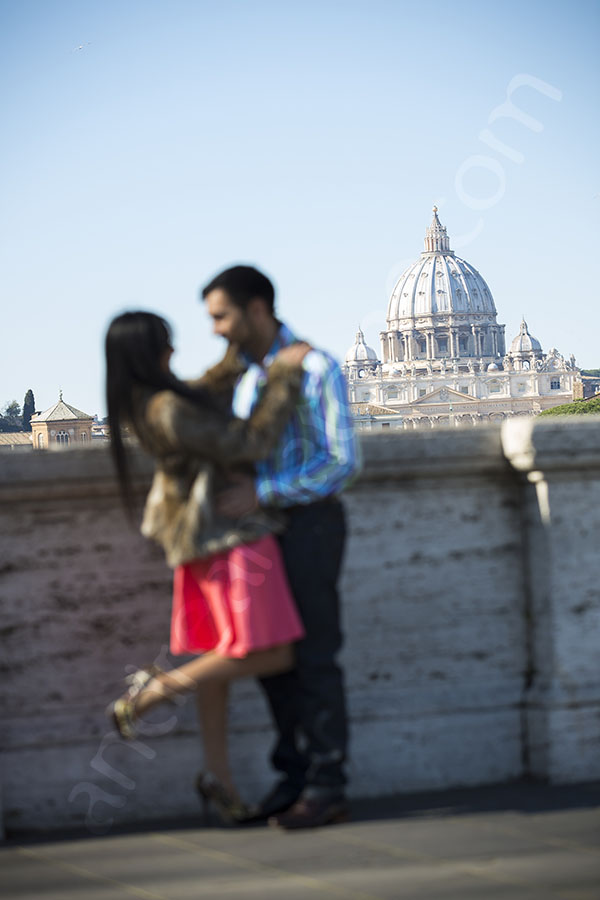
[212, 699]
[211, 668]
[210, 675]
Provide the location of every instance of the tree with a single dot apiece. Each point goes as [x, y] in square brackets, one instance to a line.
[28, 410]
[10, 418]
[577, 408]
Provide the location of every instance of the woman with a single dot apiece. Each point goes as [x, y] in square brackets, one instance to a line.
[231, 601]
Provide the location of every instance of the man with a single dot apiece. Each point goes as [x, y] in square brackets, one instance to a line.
[313, 462]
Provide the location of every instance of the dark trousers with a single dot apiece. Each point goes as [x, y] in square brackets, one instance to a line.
[308, 704]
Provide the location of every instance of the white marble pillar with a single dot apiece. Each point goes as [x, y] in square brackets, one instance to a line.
[430, 345]
[454, 345]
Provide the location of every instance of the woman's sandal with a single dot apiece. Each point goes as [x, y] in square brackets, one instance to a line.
[122, 711]
[229, 809]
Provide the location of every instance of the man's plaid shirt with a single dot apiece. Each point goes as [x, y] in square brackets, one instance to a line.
[317, 454]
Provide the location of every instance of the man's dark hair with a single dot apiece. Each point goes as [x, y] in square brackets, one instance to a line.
[242, 284]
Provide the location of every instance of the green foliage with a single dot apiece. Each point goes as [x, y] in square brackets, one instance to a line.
[10, 417]
[28, 410]
[578, 408]
[593, 373]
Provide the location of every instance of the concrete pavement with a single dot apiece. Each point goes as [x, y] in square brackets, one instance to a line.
[520, 841]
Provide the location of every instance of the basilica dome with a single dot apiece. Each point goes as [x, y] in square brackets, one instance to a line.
[439, 283]
[442, 357]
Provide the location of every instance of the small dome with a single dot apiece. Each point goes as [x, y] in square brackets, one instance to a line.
[359, 352]
[524, 342]
[493, 368]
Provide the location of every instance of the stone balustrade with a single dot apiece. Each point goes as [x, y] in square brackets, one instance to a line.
[471, 608]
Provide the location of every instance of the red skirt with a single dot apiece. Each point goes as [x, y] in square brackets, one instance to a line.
[234, 602]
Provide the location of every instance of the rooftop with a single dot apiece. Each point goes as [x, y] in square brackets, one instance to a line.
[8, 438]
[60, 412]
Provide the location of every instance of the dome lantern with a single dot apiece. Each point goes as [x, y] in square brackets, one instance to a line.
[436, 236]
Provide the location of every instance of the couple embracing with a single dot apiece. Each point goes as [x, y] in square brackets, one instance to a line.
[250, 460]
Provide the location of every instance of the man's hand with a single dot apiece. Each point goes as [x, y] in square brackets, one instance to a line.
[238, 500]
[293, 354]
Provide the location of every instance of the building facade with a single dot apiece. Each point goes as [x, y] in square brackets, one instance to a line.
[443, 358]
[61, 425]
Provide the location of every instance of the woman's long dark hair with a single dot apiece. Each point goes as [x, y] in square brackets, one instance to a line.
[136, 344]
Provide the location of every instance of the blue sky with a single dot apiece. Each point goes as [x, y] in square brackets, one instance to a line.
[309, 139]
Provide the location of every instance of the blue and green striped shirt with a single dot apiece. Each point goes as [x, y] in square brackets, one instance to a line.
[317, 454]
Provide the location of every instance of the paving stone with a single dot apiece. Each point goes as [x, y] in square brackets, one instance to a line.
[546, 850]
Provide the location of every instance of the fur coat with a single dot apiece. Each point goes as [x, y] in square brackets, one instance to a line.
[196, 446]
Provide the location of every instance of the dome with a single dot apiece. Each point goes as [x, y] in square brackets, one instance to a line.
[493, 367]
[524, 342]
[359, 352]
[439, 282]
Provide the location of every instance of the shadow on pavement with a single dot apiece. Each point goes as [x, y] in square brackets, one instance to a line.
[527, 797]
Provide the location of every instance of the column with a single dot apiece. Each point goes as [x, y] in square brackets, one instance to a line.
[454, 350]
[413, 343]
[495, 341]
[430, 345]
[384, 346]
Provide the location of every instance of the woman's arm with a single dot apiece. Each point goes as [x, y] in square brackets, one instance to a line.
[181, 426]
[221, 377]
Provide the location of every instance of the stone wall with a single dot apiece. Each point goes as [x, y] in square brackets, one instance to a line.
[471, 608]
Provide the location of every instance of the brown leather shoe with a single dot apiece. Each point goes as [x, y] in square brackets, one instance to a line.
[281, 798]
[312, 812]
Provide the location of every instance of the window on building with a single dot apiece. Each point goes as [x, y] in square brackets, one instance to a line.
[422, 346]
[392, 394]
[40, 442]
[385, 424]
[83, 437]
[464, 389]
[521, 388]
[463, 343]
[422, 392]
[62, 437]
[555, 384]
[442, 345]
[495, 387]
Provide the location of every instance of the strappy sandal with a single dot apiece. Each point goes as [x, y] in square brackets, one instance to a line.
[122, 711]
[228, 808]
